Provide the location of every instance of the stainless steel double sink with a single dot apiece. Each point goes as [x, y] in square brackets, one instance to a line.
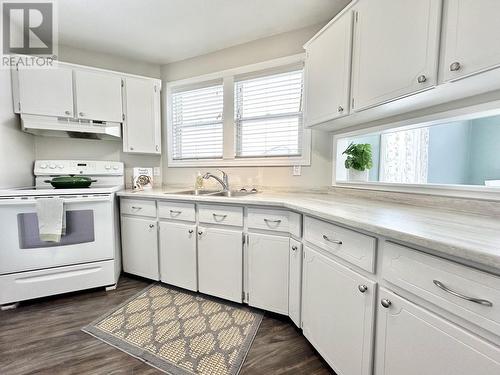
[217, 193]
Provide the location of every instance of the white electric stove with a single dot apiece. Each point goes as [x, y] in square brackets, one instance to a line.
[88, 256]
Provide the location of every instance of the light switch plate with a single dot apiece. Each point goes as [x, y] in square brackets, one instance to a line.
[297, 170]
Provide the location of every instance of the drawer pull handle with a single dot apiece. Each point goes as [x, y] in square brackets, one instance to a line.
[191, 231]
[174, 212]
[272, 221]
[483, 302]
[294, 248]
[338, 242]
[200, 233]
[222, 217]
[136, 208]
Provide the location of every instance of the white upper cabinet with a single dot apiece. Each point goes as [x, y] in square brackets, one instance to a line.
[47, 92]
[98, 96]
[142, 126]
[328, 71]
[338, 313]
[268, 259]
[395, 52]
[414, 341]
[471, 37]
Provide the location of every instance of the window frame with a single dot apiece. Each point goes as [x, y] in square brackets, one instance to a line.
[229, 127]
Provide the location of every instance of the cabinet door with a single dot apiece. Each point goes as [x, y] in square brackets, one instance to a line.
[178, 254]
[337, 313]
[295, 283]
[98, 96]
[471, 37]
[140, 247]
[268, 263]
[395, 50]
[328, 72]
[414, 341]
[47, 92]
[142, 116]
[220, 263]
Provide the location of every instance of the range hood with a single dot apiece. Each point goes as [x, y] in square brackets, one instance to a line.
[70, 128]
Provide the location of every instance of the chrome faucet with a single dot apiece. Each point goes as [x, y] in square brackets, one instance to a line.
[224, 181]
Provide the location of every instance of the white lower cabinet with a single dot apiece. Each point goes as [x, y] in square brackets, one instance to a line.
[338, 313]
[140, 247]
[268, 265]
[414, 341]
[178, 254]
[220, 262]
[295, 282]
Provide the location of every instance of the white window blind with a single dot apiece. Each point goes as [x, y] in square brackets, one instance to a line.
[268, 115]
[197, 129]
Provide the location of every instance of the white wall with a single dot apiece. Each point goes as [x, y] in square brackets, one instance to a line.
[67, 148]
[16, 147]
[316, 175]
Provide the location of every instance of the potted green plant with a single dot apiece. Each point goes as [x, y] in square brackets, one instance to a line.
[359, 161]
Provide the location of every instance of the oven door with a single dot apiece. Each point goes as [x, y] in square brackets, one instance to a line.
[89, 234]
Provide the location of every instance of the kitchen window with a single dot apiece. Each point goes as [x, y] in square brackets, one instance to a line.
[269, 115]
[197, 123]
[248, 116]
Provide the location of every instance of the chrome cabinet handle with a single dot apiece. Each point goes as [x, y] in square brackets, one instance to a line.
[190, 231]
[422, 79]
[200, 233]
[151, 225]
[222, 217]
[455, 66]
[67, 112]
[479, 301]
[131, 148]
[386, 303]
[174, 212]
[272, 221]
[294, 248]
[362, 288]
[338, 242]
[340, 109]
[81, 114]
[136, 208]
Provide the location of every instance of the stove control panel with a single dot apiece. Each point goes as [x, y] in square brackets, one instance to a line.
[83, 167]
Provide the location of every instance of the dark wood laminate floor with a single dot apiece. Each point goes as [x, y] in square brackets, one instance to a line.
[44, 337]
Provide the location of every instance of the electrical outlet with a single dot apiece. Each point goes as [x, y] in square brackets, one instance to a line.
[297, 170]
[156, 171]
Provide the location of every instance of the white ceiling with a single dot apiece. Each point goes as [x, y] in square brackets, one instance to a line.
[163, 31]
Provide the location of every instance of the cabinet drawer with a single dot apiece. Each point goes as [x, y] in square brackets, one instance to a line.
[176, 211]
[464, 291]
[354, 247]
[226, 215]
[138, 207]
[277, 220]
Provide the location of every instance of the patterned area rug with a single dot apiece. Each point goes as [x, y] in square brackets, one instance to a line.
[180, 332]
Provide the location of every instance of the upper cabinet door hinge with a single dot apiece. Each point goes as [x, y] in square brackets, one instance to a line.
[123, 84]
[356, 16]
[243, 238]
[19, 106]
[123, 116]
[352, 102]
[154, 87]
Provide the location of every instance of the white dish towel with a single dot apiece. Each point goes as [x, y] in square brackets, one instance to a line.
[51, 219]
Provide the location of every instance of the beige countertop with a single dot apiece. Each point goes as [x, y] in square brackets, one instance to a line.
[473, 238]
